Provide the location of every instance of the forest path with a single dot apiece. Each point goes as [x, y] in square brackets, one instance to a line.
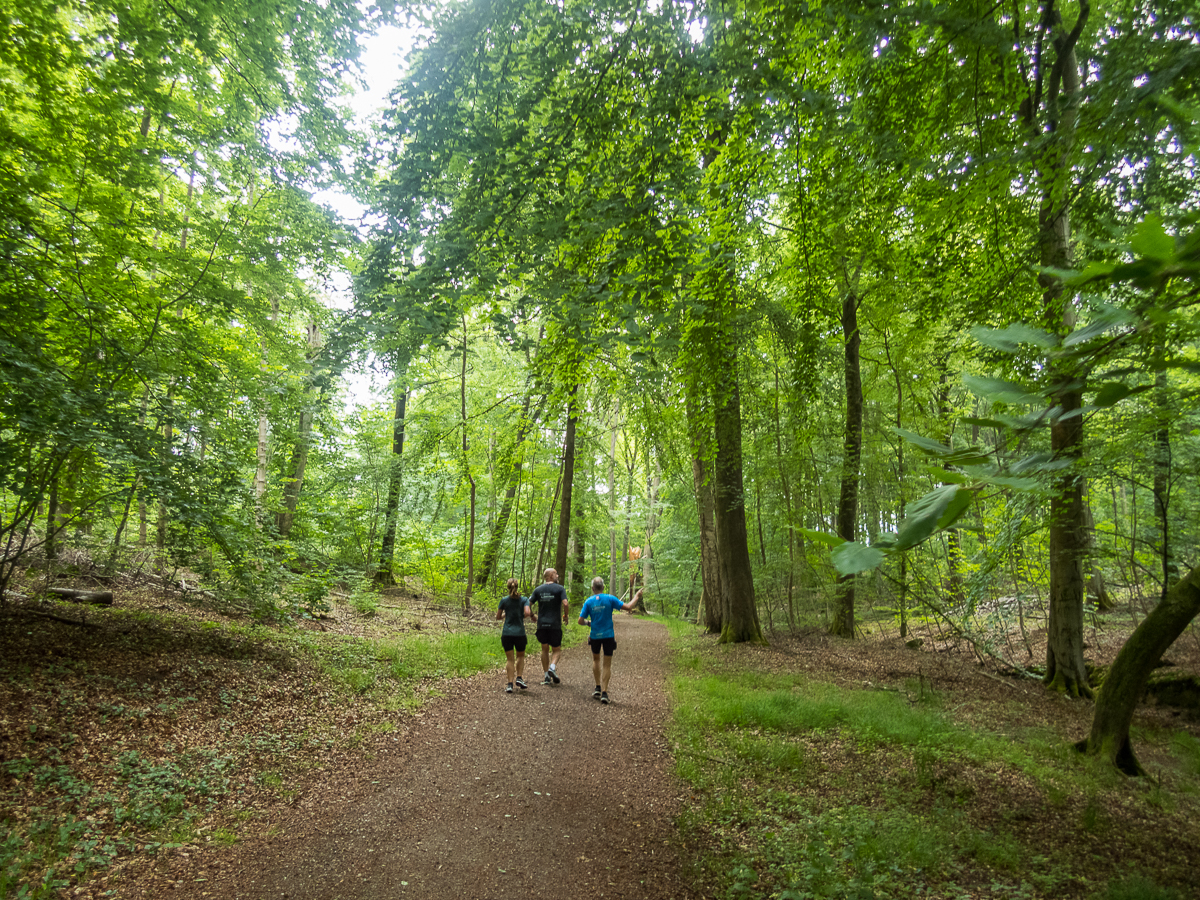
[545, 793]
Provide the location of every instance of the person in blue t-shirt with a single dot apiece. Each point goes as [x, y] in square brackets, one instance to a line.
[514, 609]
[598, 612]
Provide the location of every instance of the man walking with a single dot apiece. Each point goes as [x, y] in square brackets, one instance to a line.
[598, 611]
[551, 602]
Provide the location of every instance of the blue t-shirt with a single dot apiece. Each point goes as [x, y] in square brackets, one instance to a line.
[599, 607]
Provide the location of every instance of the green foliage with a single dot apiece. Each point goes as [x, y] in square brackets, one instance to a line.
[1138, 887]
[76, 829]
[805, 789]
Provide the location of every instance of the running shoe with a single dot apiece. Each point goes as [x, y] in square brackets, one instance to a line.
[604, 697]
[596, 693]
[508, 688]
[521, 683]
[553, 674]
[548, 679]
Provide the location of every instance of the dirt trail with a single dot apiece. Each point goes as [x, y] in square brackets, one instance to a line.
[542, 794]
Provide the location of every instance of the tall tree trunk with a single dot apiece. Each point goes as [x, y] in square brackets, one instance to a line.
[1162, 483]
[1126, 680]
[537, 573]
[110, 567]
[843, 617]
[902, 603]
[612, 498]
[711, 604]
[579, 570]
[264, 426]
[1096, 586]
[1065, 669]
[653, 483]
[168, 436]
[787, 499]
[466, 463]
[385, 571]
[955, 561]
[568, 477]
[492, 551]
[299, 461]
[740, 622]
[52, 521]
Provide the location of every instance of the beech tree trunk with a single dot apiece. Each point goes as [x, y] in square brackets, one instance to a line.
[492, 551]
[1123, 686]
[955, 560]
[711, 604]
[740, 621]
[1162, 483]
[612, 499]
[787, 499]
[568, 476]
[384, 573]
[294, 482]
[842, 624]
[537, 573]
[1065, 669]
[466, 463]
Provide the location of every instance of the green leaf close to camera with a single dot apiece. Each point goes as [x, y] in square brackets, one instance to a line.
[829, 540]
[1013, 337]
[936, 510]
[851, 557]
[998, 390]
[1150, 240]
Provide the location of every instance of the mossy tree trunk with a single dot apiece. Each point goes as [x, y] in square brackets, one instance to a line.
[1123, 686]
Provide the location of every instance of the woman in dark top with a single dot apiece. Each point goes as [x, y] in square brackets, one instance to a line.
[514, 609]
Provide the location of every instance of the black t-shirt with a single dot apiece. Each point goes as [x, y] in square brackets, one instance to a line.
[514, 616]
[549, 599]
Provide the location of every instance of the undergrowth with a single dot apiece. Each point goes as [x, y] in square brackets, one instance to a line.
[803, 789]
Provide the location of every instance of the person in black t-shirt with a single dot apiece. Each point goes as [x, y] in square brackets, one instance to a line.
[514, 609]
[551, 601]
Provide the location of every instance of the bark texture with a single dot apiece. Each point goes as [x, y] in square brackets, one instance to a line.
[842, 624]
[710, 564]
[295, 480]
[740, 620]
[492, 551]
[1123, 686]
[1065, 669]
[387, 548]
[568, 476]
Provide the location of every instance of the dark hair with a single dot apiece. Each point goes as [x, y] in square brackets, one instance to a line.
[513, 588]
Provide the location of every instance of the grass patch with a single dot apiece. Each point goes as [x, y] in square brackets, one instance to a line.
[805, 789]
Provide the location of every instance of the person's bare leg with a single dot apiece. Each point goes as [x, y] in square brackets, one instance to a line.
[554, 655]
[510, 665]
[520, 663]
[546, 657]
[607, 673]
[596, 668]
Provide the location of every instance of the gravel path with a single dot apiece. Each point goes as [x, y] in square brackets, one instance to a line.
[540, 794]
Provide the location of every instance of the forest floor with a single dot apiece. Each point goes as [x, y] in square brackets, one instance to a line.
[155, 749]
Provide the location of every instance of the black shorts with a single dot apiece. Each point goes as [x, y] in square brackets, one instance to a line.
[549, 634]
[516, 642]
[608, 645]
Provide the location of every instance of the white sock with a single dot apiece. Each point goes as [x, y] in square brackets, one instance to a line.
[552, 665]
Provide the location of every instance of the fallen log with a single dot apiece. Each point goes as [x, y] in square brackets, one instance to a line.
[97, 598]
